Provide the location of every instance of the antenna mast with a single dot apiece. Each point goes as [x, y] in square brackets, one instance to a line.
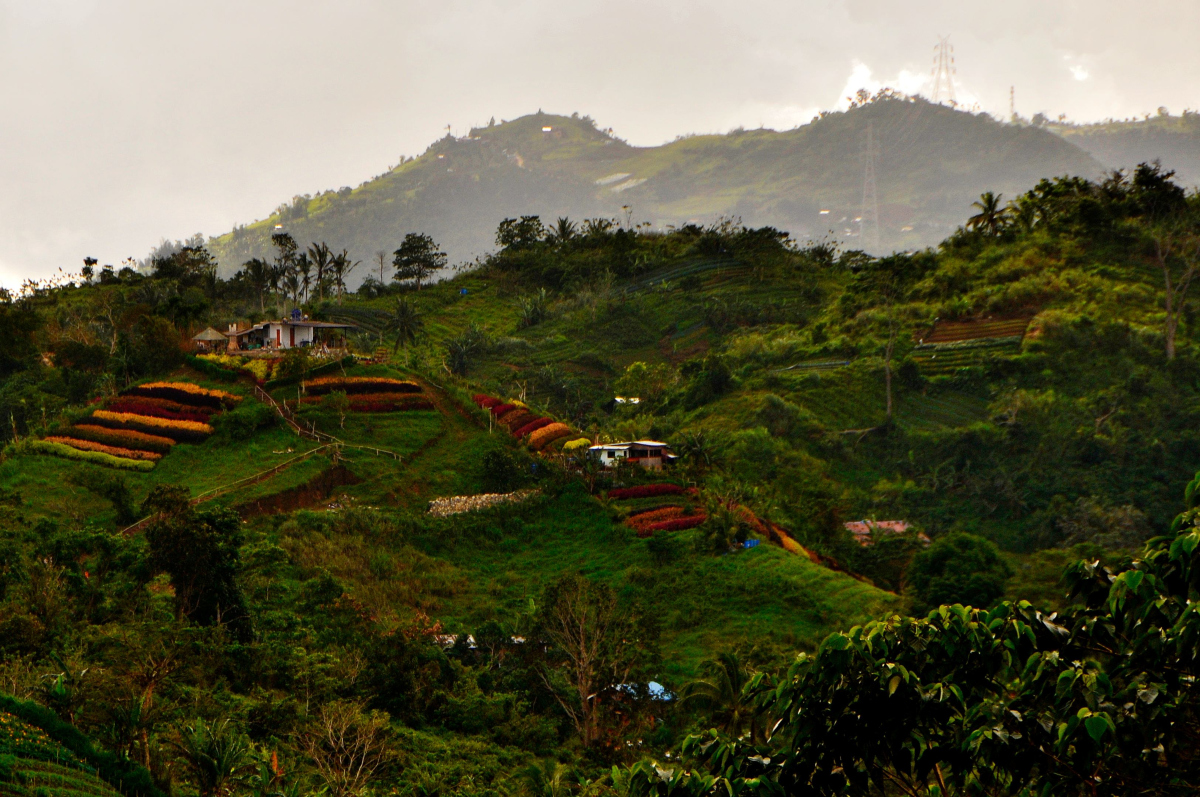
[944, 72]
[870, 203]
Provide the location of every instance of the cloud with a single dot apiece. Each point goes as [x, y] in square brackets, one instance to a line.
[1078, 72]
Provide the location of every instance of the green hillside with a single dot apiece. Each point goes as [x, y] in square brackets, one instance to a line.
[932, 162]
[244, 573]
[1174, 140]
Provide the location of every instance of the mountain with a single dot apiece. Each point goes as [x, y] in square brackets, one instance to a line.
[932, 162]
[1173, 140]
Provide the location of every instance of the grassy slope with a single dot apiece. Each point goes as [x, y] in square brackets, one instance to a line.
[1175, 140]
[932, 163]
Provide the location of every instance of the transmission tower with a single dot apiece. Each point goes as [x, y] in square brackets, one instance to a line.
[944, 71]
[870, 203]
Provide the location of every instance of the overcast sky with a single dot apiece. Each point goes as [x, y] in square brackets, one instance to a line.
[124, 121]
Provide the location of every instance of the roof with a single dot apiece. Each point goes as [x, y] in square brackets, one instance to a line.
[287, 322]
[210, 334]
[624, 446]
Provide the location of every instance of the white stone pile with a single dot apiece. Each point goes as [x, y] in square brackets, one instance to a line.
[456, 504]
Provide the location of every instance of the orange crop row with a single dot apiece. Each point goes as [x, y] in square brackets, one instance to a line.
[88, 445]
[548, 434]
[122, 438]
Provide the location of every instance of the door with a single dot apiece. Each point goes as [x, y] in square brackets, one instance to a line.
[292, 337]
[277, 334]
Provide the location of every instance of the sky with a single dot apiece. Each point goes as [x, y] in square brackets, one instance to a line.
[126, 121]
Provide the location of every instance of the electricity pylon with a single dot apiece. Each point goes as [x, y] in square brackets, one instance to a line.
[944, 71]
[870, 202]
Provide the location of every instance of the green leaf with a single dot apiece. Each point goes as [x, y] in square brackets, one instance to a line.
[893, 685]
[1096, 726]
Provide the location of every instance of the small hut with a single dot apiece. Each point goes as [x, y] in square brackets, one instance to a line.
[210, 340]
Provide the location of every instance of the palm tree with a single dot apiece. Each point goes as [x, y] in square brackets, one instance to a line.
[991, 216]
[404, 322]
[562, 231]
[342, 266]
[259, 274]
[322, 259]
[216, 754]
[723, 697]
[304, 267]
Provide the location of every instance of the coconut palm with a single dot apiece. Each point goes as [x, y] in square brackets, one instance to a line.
[723, 697]
[217, 756]
[322, 259]
[304, 271]
[404, 322]
[991, 215]
[342, 266]
[260, 275]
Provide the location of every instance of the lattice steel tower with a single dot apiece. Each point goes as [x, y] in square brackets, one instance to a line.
[944, 71]
[870, 203]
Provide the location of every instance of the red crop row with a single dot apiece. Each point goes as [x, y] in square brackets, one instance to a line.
[532, 426]
[678, 524]
[516, 419]
[648, 509]
[167, 404]
[138, 407]
[648, 519]
[645, 491]
[500, 409]
[485, 401]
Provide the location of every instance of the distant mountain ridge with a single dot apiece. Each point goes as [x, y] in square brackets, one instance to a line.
[1173, 140]
[931, 163]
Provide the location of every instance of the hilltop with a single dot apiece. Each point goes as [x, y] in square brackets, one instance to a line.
[1174, 140]
[932, 162]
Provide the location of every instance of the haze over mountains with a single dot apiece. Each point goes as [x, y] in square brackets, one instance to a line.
[931, 163]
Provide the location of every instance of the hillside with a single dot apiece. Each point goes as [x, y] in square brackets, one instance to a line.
[258, 557]
[1174, 140]
[932, 162]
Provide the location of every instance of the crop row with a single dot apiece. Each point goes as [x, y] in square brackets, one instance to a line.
[645, 491]
[66, 452]
[122, 438]
[186, 393]
[136, 406]
[115, 451]
[358, 384]
[179, 431]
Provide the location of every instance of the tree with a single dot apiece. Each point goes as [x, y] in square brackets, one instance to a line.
[258, 274]
[597, 644]
[198, 549]
[322, 260]
[991, 215]
[723, 697]
[417, 258]
[304, 268]
[522, 233]
[1175, 245]
[338, 403]
[342, 266]
[958, 568]
[217, 757]
[404, 322]
[347, 745]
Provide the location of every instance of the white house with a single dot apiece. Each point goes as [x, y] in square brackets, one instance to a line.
[287, 334]
[650, 454]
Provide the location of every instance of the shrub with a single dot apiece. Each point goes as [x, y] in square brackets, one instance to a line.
[533, 426]
[678, 524]
[176, 430]
[122, 438]
[645, 491]
[136, 407]
[958, 568]
[359, 384]
[548, 434]
[244, 421]
[500, 471]
[95, 457]
[88, 445]
[211, 369]
[185, 393]
[575, 445]
[294, 363]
